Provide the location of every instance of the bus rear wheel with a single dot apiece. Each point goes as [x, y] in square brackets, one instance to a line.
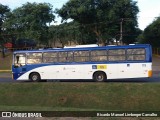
[99, 76]
[35, 77]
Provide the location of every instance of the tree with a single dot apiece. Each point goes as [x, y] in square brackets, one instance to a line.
[68, 33]
[64, 33]
[3, 11]
[101, 17]
[31, 21]
[151, 34]
[132, 37]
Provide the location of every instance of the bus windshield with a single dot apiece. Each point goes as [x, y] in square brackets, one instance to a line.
[19, 60]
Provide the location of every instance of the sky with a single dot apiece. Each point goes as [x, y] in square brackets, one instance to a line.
[149, 9]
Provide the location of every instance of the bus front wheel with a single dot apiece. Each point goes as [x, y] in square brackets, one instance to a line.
[35, 77]
[99, 76]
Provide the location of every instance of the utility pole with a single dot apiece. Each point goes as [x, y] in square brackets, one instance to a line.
[121, 31]
[121, 28]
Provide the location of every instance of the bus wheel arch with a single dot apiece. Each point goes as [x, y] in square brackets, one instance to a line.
[34, 76]
[99, 76]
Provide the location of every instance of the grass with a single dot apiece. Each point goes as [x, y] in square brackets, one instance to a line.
[77, 96]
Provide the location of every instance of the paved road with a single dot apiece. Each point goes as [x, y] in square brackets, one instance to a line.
[7, 77]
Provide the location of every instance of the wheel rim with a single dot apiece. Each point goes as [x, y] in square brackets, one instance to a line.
[34, 77]
[100, 77]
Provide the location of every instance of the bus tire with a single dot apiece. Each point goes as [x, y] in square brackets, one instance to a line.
[99, 76]
[35, 77]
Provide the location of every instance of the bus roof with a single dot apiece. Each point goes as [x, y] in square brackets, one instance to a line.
[81, 46]
[85, 48]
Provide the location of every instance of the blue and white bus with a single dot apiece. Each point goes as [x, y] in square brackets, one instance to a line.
[97, 63]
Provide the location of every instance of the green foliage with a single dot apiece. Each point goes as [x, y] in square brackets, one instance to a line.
[132, 37]
[102, 17]
[93, 21]
[31, 21]
[151, 34]
[3, 12]
[71, 32]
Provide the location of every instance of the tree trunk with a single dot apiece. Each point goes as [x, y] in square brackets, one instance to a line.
[3, 52]
[100, 41]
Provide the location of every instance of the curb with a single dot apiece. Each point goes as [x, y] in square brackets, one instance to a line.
[5, 70]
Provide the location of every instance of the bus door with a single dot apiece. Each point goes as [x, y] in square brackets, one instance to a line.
[19, 65]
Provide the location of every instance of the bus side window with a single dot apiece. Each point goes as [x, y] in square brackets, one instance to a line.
[50, 57]
[99, 55]
[116, 55]
[65, 56]
[81, 56]
[70, 57]
[136, 54]
[34, 58]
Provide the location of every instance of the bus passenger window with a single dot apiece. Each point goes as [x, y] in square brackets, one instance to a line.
[116, 55]
[50, 57]
[34, 58]
[81, 56]
[65, 56]
[99, 55]
[136, 54]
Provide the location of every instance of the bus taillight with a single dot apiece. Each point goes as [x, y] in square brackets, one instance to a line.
[150, 73]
